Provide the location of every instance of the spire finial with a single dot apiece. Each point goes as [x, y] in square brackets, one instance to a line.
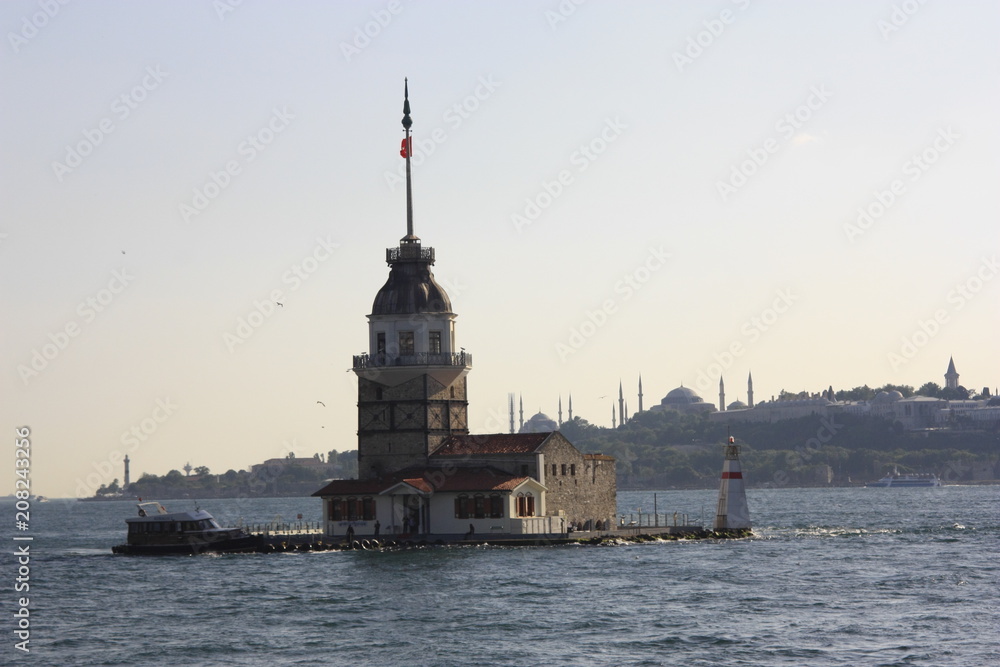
[407, 149]
[406, 105]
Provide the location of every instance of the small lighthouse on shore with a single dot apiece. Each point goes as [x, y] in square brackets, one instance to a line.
[733, 513]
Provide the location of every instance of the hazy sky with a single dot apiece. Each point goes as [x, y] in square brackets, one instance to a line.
[804, 190]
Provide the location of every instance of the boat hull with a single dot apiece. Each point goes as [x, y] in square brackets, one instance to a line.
[193, 546]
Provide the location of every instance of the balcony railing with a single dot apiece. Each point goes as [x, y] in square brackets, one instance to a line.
[382, 360]
[409, 252]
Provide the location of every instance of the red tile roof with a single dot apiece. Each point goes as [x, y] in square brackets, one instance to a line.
[494, 443]
[598, 457]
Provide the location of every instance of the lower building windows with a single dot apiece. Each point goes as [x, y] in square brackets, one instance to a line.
[352, 509]
[479, 506]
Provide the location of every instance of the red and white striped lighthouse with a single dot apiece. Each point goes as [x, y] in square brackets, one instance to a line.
[733, 513]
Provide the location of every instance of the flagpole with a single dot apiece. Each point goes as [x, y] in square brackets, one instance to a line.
[407, 122]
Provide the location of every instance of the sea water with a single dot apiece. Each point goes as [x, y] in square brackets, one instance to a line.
[830, 577]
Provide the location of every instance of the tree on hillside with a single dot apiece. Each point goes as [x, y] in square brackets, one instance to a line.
[930, 389]
[863, 393]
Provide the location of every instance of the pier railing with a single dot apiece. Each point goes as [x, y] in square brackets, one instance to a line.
[650, 520]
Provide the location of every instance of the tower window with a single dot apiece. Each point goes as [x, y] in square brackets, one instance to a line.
[380, 342]
[405, 343]
[434, 339]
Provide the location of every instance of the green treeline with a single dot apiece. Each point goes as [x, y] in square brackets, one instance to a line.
[672, 450]
[281, 480]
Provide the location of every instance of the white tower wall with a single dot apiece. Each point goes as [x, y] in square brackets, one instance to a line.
[733, 512]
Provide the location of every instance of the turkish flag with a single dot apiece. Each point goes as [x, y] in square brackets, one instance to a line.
[406, 147]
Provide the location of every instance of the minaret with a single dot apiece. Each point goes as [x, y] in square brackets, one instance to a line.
[732, 512]
[127, 478]
[560, 410]
[412, 382]
[614, 424]
[640, 392]
[749, 390]
[571, 407]
[521, 425]
[510, 405]
[951, 377]
[722, 396]
[621, 404]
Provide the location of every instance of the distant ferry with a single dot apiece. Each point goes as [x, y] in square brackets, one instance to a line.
[157, 532]
[896, 480]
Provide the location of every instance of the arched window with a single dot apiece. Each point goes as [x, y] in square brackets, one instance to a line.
[353, 509]
[525, 504]
[480, 506]
[462, 507]
[496, 506]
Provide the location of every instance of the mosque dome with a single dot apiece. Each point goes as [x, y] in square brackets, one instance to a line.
[539, 423]
[737, 405]
[411, 287]
[887, 396]
[681, 396]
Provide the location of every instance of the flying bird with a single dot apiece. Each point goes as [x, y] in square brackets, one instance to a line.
[321, 403]
[280, 304]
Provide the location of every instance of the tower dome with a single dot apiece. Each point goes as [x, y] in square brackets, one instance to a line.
[411, 287]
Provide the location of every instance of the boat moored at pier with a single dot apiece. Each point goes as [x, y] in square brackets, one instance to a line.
[157, 532]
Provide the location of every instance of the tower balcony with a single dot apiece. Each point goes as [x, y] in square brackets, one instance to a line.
[395, 369]
[364, 362]
[409, 251]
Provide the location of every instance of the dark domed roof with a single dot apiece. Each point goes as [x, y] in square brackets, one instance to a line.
[411, 287]
[539, 423]
[681, 396]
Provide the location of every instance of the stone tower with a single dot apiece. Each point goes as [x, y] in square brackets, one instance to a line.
[951, 376]
[412, 381]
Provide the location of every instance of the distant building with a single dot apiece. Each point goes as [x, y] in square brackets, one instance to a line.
[683, 399]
